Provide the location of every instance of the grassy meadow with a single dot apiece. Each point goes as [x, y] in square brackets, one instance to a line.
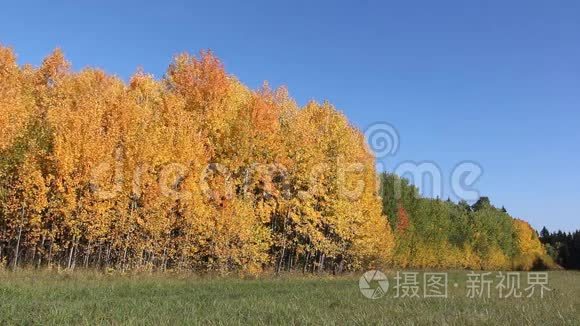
[29, 297]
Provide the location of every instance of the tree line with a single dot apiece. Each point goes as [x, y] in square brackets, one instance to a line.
[193, 171]
[563, 247]
[435, 233]
[197, 171]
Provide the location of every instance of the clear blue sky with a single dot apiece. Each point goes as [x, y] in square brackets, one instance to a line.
[497, 82]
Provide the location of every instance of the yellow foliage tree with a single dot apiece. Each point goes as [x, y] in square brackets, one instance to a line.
[531, 253]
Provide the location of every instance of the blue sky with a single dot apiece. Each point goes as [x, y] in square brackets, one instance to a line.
[496, 82]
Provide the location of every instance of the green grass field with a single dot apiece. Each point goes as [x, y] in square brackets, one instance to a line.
[91, 298]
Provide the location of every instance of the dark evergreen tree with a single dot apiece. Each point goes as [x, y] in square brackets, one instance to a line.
[482, 202]
[563, 247]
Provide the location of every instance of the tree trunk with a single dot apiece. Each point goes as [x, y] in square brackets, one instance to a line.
[71, 251]
[50, 255]
[289, 262]
[306, 262]
[39, 261]
[163, 260]
[107, 255]
[281, 259]
[75, 250]
[87, 254]
[99, 256]
[17, 251]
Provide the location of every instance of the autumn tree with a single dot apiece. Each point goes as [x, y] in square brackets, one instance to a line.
[195, 171]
